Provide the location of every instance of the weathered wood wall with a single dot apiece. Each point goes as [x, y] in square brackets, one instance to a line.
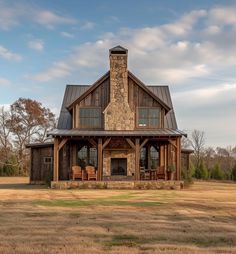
[41, 171]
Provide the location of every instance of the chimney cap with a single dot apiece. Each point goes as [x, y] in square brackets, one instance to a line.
[118, 50]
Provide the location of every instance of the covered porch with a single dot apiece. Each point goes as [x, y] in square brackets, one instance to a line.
[117, 155]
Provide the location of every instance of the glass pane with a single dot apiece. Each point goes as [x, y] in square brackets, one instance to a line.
[143, 112]
[143, 122]
[154, 122]
[154, 112]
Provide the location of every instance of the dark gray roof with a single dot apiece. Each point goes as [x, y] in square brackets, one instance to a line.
[72, 92]
[102, 133]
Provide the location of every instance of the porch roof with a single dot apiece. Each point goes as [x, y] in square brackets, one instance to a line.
[105, 133]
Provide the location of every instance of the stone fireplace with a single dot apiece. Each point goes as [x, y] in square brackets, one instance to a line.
[118, 166]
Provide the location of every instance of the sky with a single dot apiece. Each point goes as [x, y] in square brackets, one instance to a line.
[188, 45]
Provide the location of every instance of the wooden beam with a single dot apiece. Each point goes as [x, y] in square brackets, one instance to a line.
[92, 142]
[62, 143]
[137, 158]
[100, 160]
[107, 141]
[178, 159]
[129, 141]
[56, 159]
[172, 143]
[144, 143]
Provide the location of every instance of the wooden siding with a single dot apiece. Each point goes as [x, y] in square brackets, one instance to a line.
[41, 171]
[99, 97]
[140, 98]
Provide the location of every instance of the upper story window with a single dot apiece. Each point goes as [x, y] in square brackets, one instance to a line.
[90, 117]
[148, 117]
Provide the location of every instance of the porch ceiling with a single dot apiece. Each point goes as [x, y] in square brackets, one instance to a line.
[102, 133]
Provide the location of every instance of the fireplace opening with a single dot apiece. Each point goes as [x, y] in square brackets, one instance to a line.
[119, 166]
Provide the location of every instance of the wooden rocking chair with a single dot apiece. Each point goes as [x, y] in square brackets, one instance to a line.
[91, 173]
[77, 173]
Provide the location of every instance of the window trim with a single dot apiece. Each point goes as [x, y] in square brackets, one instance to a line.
[90, 127]
[148, 127]
[47, 162]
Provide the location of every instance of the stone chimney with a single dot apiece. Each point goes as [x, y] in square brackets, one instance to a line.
[118, 115]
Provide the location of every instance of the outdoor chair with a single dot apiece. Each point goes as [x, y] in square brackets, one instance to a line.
[91, 173]
[77, 173]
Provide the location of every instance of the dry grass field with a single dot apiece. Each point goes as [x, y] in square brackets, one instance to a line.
[35, 219]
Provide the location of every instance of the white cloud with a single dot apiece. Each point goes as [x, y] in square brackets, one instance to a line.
[9, 55]
[36, 44]
[67, 35]
[223, 15]
[58, 70]
[88, 25]
[50, 19]
[12, 15]
[4, 82]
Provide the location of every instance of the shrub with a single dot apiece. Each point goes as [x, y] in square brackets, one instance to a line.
[201, 172]
[233, 173]
[217, 173]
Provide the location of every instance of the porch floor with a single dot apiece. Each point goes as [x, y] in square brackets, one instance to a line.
[145, 185]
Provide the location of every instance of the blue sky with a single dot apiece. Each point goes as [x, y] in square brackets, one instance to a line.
[188, 45]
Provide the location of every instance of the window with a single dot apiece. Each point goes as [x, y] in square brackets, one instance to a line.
[90, 117]
[47, 160]
[87, 156]
[148, 117]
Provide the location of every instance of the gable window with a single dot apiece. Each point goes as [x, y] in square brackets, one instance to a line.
[90, 117]
[148, 117]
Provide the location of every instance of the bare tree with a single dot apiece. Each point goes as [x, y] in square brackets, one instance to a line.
[29, 122]
[5, 142]
[197, 142]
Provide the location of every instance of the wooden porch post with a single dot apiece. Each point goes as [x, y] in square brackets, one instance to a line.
[178, 159]
[137, 158]
[100, 160]
[56, 159]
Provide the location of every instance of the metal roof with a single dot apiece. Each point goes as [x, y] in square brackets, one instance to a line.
[102, 133]
[73, 92]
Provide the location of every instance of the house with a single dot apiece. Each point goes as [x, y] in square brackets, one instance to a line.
[120, 127]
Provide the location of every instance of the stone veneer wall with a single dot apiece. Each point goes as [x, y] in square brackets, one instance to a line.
[118, 114]
[108, 154]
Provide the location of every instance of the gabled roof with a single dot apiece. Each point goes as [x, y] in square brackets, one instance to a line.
[130, 75]
[145, 88]
[73, 92]
[118, 49]
[92, 88]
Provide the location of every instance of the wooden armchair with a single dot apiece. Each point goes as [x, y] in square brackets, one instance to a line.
[77, 173]
[91, 173]
[161, 173]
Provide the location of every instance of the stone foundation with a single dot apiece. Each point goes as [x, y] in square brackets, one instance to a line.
[137, 185]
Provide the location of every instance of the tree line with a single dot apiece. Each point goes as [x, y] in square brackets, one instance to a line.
[26, 121]
[207, 162]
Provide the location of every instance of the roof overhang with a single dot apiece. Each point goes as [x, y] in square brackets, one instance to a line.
[165, 133]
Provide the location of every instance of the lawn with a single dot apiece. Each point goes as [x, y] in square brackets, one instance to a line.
[35, 219]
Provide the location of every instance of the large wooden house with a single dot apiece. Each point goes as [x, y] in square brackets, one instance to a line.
[117, 129]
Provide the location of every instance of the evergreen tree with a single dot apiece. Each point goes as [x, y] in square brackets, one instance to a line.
[217, 173]
[233, 174]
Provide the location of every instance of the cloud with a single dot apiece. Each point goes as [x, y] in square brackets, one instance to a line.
[36, 44]
[8, 55]
[12, 15]
[67, 35]
[57, 70]
[50, 19]
[88, 25]
[4, 82]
